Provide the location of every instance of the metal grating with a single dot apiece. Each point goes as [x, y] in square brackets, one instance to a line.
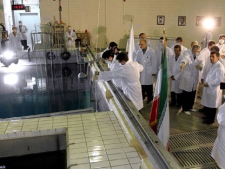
[193, 138]
[208, 167]
[193, 158]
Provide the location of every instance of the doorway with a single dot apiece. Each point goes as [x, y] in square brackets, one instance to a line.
[32, 21]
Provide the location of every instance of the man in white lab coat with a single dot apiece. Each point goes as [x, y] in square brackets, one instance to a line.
[179, 41]
[174, 73]
[220, 44]
[113, 64]
[15, 40]
[112, 46]
[23, 30]
[189, 50]
[70, 37]
[130, 73]
[137, 46]
[191, 66]
[159, 50]
[212, 94]
[147, 58]
[218, 151]
[141, 36]
[205, 58]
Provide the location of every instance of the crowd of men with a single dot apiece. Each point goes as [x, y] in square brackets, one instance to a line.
[188, 70]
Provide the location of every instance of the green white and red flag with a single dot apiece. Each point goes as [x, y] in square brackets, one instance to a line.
[159, 114]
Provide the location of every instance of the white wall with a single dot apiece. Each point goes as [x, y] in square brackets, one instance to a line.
[114, 20]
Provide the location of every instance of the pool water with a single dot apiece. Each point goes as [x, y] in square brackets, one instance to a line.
[41, 89]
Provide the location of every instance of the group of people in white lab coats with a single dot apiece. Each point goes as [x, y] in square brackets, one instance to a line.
[187, 69]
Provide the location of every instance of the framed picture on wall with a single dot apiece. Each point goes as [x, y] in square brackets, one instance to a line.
[160, 20]
[181, 20]
[217, 21]
[199, 20]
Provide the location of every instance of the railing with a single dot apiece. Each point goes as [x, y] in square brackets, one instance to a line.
[157, 153]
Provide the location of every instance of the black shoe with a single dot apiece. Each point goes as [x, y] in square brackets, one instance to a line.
[172, 104]
[206, 122]
[201, 110]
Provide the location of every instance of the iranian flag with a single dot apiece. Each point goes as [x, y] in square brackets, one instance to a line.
[159, 114]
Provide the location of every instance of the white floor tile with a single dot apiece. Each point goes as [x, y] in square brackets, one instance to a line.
[117, 156]
[100, 164]
[122, 167]
[119, 162]
[98, 159]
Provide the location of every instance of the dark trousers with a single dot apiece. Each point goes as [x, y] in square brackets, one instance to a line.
[188, 100]
[24, 44]
[149, 90]
[209, 115]
[176, 98]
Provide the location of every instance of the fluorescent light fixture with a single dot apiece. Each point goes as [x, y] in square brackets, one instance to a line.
[10, 79]
[208, 23]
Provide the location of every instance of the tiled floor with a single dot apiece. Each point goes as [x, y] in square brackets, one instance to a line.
[94, 140]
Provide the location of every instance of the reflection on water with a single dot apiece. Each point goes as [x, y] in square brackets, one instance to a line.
[44, 89]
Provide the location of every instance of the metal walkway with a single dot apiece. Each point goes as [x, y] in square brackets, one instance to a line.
[193, 149]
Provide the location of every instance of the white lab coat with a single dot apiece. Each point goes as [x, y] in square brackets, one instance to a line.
[23, 31]
[183, 48]
[212, 95]
[174, 70]
[137, 48]
[218, 151]
[148, 61]
[131, 86]
[15, 41]
[205, 58]
[190, 76]
[169, 53]
[70, 43]
[219, 45]
[222, 49]
[186, 52]
[114, 65]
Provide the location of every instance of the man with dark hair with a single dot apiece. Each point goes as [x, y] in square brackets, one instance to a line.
[212, 95]
[112, 46]
[205, 56]
[23, 30]
[136, 45]
[179, 41]
[191, 66]
[113, 64]
[174, 73]
[147, 58]
[129, 72]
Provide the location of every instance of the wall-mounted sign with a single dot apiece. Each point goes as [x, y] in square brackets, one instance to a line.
[18, 7]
